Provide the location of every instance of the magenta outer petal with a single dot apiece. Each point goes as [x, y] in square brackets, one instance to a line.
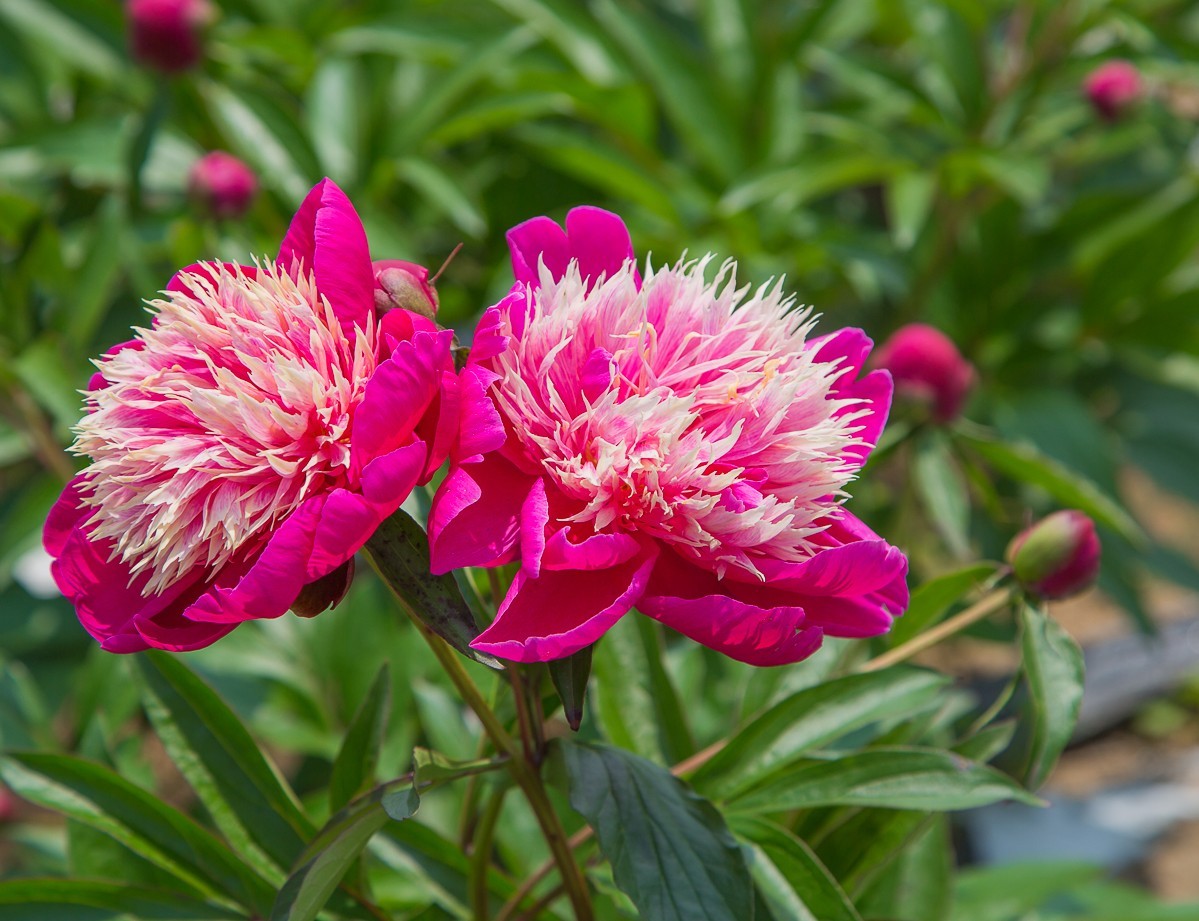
[537, 239]
[347, 522]
[475, 518]
[534, 516]
[397, 396]
[596, 551]
[172, 632]
[272, 581]
[489, 339]
[558, 613]
[326, 236]
[482, 429]
[600, 241]
[851, 345]
[875, 390]
[64, 515]
[388, 480]
[852, 569]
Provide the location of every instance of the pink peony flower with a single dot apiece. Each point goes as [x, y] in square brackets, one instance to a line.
[168, 35]
[927, 368]
[1113, 88]
[675, 444]
[222, 185]
[249, 441]
[1058, 556]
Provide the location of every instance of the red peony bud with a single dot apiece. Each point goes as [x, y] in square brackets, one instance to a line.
[1113, 88]
[222, 185]
[1058, 556]
[928, 368]
[406, 285]
[168, 35]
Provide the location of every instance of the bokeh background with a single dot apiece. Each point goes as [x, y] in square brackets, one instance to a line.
[940, 161]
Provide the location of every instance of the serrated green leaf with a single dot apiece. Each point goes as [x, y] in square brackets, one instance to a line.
[242, 791]
[669, 848]
[354, 766]
[811, 718]
[884, 778]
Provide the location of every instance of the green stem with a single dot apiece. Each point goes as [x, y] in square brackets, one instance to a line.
[522, 771]
[480, 857]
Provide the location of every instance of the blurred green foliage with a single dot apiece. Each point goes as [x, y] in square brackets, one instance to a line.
[898, 160]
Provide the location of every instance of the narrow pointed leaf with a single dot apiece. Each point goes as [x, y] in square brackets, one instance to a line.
[811, 718]
[1054, 671]
[243, 792]
[92, 900]
[885, 778]
[96, 796]
[354, 767]
[400, 551]
[932, 599]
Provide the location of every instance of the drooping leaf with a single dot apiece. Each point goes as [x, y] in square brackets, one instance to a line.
[97, 796]
[884, 778]
[243, 792]
[354, 766]
[400, 551]
[670, 850]
[570, 681]
[333, 851]
[1054, 671]
[811, 718]
[797, 885]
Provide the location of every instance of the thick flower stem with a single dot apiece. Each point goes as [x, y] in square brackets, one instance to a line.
[981, 609]
[524, 773]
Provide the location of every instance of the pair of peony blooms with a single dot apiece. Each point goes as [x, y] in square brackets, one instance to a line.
[670, 442]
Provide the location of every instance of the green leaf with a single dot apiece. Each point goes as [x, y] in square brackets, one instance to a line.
[97, 796]
[1010, 892]
[1024, 463]
[570, 681]
[562, 24]
[943, 493]
[917, 884]
[864, 843]
[333, 113]
[909, 203]
[62, 36]
[242, 791]
[1054, 671]
[442, 191]
[354, 766]
[885, 778]
[670, 850]
[96, 278]
[333, 851]
[987, 742]
[399, 548]
[635, 704]
[91, 900]
[430, 768]
[685, 90]
[932, 599]
[811, 718]
[797, 885]
[253, 138]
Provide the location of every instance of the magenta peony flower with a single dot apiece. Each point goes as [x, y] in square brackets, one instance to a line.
[168, 35]
[222, 185]
[249, 441]
[675, 444]
[1113, 88]
[927, 368]
[1058, 556]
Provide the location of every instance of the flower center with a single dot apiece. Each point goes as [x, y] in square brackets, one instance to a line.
[234, 407]
[691, 411]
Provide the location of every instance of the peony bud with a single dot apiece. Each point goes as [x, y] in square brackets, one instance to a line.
[168, 35]
[927, 368]
[1058, 556]
[1113, 88]
[221, 185]
[406, 285]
